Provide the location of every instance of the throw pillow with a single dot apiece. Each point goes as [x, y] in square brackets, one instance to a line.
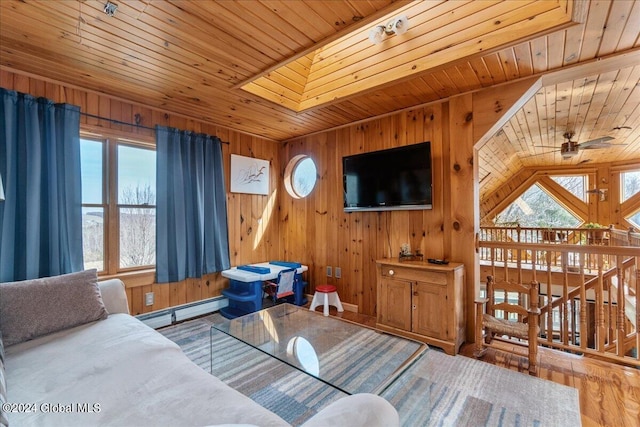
[37, 307]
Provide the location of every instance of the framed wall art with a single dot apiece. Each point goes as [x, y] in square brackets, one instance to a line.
[249, 175]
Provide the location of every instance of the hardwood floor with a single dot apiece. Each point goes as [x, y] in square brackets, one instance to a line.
[609, 393]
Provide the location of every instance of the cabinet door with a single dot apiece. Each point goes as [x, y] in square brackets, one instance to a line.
[394, 303]
[430, 309]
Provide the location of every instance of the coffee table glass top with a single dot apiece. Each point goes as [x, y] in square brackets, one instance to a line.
[347, 356]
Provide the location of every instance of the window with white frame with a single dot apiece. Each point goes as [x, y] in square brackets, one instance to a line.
[121, 205]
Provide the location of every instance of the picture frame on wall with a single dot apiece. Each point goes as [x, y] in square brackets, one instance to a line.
[249, 175]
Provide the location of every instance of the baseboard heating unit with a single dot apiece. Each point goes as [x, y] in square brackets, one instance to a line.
[179, 313]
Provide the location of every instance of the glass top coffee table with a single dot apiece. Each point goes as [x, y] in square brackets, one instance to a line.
[349, 357]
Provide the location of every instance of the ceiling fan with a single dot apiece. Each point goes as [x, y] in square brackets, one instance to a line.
[570, 148]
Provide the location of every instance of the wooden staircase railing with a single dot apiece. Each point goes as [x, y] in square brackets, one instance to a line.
[588, 285]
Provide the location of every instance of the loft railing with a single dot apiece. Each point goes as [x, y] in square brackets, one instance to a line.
[588, 284]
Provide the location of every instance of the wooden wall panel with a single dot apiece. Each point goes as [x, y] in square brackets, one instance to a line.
[316, 230]
[254, 226]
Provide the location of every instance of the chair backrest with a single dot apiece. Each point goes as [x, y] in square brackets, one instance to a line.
[286, 279]
[508, 297]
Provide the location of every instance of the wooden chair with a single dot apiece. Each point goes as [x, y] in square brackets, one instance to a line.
[510, 310]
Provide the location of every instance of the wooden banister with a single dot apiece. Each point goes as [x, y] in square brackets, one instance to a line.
[575, 265]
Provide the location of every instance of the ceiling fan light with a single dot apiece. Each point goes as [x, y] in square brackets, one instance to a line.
[376, 34]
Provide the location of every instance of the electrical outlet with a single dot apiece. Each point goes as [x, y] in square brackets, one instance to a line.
[149, 298]
[329, 273]
[338, 272]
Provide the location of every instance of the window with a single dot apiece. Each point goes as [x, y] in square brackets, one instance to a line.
[575, 184]
[536, 208]
[630, 183]
[132, 216]
[635, 220]
[300, 176]
[93, 207]
[136, 206]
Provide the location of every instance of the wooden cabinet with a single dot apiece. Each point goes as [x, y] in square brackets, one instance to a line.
[422, 301]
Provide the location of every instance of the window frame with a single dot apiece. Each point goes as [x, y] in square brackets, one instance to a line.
[289, 175]
[110, 202]
[623, 196]
[104, 205]
[133, 144]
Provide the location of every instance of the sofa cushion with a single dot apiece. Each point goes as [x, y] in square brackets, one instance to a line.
[137, 377]
[31, 308]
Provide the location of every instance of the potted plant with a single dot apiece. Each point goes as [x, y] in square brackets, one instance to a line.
[549, 235]
[595, 233]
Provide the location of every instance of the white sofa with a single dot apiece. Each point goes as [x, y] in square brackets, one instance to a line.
[118, 371]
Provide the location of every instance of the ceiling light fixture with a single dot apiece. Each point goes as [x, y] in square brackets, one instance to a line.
[398, 25]
[110, 8]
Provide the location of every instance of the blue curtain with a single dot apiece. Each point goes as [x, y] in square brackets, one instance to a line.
[192, 232]
[41, 217]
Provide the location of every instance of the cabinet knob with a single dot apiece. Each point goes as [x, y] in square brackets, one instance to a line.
[391, 272]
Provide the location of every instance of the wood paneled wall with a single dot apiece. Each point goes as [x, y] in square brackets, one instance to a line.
[253, 226]
[319, 233]
[315, 230]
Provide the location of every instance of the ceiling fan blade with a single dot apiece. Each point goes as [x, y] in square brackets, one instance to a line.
[596, 143]
[540, 154]
[601, 146]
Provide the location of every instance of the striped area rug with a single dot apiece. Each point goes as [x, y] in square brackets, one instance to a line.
[437, 390]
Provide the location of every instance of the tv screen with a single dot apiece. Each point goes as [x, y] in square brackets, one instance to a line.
[393, 179]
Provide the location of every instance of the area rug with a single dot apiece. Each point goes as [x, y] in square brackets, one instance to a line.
[437, 390]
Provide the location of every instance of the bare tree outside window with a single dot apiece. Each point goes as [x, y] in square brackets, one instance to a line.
[575, 184]
[631, 187]
[137, 226]
[630, 184]
[536, 208]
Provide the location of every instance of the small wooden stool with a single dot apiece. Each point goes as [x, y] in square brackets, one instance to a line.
[329, 296]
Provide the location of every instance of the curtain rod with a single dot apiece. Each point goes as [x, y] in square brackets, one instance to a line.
[119, 122]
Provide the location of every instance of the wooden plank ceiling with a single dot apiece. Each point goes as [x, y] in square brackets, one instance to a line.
[192, 57]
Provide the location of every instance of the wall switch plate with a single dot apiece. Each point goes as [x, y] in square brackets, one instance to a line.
[338, 272]
[329, 274]
[149, 298]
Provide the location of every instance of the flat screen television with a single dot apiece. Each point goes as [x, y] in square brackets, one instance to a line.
[393, 179]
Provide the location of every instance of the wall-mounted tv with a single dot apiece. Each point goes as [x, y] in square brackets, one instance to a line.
[393, 179]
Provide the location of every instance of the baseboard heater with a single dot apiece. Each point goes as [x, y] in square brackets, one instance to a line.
[179, 313]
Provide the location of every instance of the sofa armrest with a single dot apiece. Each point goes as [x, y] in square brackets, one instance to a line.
[363, 409]
[114, 296]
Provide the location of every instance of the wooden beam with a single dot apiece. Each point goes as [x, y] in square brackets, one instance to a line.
[492, 108]
[614, 62]
[462, 220]
[570, 202]
[513, 195]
